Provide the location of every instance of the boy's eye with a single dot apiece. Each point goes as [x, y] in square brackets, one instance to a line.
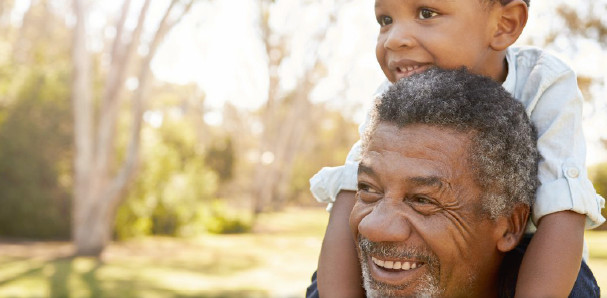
[426, 13]
[384, 20]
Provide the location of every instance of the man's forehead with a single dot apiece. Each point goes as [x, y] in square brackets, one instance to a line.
[420, 153]
[414, 137]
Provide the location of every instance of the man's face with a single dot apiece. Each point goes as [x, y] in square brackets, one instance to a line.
[416, 34]
[418, 216]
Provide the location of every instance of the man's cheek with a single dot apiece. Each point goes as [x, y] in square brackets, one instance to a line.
[459, 231]
[359, 211]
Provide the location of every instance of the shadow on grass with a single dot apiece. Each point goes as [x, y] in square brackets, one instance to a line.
[32, 271]
[64, 269]
[59, 280]
[219, 266]
[250, 293]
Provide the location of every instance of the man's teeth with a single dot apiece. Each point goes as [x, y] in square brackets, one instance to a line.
[394, 265]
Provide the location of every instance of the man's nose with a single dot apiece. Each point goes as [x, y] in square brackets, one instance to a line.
[385, 223]
[399, 36]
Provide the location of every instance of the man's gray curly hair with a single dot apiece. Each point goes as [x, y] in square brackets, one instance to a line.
[503, 152]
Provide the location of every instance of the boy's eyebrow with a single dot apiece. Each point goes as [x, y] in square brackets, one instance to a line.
[376, 4]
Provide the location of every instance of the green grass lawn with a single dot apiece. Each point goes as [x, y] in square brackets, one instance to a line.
[274, 261]
[597, 246]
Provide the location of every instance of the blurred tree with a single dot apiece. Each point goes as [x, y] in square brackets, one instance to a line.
[35, 123]
[284, 118]
[173, 186]
[598, 175]
[36, 138]
[98, 185]
[328, 140]
[220, 157]
[582, 20]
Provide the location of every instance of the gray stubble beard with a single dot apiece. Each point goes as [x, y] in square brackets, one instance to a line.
[427, 285]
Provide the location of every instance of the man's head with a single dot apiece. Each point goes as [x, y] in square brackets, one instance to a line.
[448, 172]
[415, 35]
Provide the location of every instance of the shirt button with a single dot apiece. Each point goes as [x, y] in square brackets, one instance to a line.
[573, 172]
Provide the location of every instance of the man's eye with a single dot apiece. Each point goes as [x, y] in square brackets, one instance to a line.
[366, 188]
[424, 205]
[422, 200]
[384, 20]
[426, 13]
[367, 193]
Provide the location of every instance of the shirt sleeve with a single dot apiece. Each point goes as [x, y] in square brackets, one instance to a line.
[329, 181]
[564, 184]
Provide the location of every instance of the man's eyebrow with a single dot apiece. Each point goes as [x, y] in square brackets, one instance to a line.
[433, 181]
[363, 168]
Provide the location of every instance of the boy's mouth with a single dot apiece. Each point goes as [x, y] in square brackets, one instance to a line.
[405, 71]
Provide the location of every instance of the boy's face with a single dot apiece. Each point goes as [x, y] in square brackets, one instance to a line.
[417, 34]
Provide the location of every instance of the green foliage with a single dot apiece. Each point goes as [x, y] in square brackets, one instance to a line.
[169, 194]
[220, 158]
[35, 158]
[219, 219]
[598, 175]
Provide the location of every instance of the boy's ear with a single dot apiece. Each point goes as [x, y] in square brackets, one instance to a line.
[512, 21]
[510, 228]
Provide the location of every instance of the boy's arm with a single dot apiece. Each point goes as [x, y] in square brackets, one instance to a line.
[339, 273]
[565, 200]
[552, 261]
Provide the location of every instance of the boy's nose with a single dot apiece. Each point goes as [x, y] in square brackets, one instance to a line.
[398, 37]
[384, 223]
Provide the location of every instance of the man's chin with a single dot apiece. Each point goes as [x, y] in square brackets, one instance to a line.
[423, 285]
[420, 280]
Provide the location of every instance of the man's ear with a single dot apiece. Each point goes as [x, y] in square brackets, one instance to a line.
[510, 228]
[512, 21]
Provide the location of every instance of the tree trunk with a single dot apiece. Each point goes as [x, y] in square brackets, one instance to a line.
[280, 132]
[98, 191]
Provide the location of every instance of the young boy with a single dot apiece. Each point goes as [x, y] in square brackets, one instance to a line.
[417, 34]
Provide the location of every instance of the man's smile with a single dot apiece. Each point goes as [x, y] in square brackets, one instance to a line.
[387, 273]
[396, 265]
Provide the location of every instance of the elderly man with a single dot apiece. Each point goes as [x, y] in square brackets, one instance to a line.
[445, 183]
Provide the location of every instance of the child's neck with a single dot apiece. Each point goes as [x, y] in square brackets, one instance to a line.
[500, 72]
[504, 72]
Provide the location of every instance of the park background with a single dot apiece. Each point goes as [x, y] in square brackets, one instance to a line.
[163, 148]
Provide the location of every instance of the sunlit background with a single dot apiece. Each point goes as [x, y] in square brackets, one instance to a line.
[163, 148]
